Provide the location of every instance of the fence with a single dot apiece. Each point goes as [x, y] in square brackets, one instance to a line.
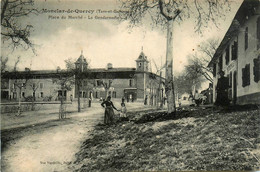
[25, 106]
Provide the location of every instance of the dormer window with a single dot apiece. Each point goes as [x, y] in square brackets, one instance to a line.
[140, 64]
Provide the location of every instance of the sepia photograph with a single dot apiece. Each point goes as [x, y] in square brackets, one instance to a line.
[130, 85]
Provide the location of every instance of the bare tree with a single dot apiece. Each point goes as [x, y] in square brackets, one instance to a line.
[80, 74]
[194, 76]
[34, 85]
[11, 28]
[208, 49]
[106, 83]
[65, 80]
[199, 62]
[4, 61]
[20, 82]
[165, 13]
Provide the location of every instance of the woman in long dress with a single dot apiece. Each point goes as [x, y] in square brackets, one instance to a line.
[109, 112]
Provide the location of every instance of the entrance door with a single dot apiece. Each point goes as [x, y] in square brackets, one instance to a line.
[235, 87]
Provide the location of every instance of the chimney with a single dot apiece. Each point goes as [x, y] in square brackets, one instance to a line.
[27, 69]
[109, 66]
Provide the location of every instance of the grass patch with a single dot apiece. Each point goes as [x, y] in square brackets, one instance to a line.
[204, 139]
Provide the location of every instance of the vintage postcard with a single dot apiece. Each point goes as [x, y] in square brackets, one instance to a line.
[130, 85]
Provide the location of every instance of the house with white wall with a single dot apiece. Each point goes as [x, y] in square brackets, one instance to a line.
[238, 55]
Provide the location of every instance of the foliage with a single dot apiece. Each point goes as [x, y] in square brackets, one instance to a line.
[47, 98]
[164, 13]
[158, 12]
[4, 61]
[12, 30]
[198, 62]
[29, 99]
[183, 84]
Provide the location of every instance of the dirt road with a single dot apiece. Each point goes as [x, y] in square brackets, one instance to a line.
[49, 145]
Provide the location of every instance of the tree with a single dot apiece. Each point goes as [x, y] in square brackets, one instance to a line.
[165, 13]
[80, 70]
[199, 62]
[159, 100]
[105, 81]
[182, 84]
[194, 76]
[4, 61]
[65, 80]
[11, 28]
[34, 85]
[20, 82]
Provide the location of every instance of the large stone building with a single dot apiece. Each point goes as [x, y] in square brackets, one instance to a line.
[130, 83]
[238, 55]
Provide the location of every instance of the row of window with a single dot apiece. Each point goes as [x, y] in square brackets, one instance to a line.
[246, 72]
[23, 95]
[109, 83]
[234, 49]
[34, 85]
[112, 94]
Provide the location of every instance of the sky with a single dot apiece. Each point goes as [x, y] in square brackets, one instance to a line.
[105, 40]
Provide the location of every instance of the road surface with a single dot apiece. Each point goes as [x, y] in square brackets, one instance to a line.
[50, 144]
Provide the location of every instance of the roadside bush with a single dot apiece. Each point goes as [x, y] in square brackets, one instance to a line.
[29, 99]
[47, 98]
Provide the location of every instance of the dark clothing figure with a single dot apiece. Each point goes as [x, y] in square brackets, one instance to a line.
[89, 102]
[145, 100]
[222, 91]
[197, 98]
[109, 112]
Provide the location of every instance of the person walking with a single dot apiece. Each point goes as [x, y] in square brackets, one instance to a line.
[109, 112]
[145, 100]
[122, 111]
[90, 100]
[197, 98]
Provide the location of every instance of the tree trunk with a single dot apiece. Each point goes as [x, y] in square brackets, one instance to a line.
[19, 102]
[61, 112]
[33, 100]
[159, 98]
[106, 93]
[78, 97]
[169, 88]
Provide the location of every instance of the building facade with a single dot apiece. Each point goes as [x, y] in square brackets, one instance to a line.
[238, 55]
[129, 83]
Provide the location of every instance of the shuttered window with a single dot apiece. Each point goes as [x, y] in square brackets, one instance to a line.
[246, 75]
